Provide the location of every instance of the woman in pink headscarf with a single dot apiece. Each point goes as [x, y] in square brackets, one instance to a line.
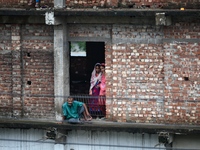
[102, 94]
[103, 81]
[95, 80]
[94, 89]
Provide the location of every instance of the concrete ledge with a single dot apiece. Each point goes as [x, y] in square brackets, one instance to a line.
[101, 125]
[99, 12]
[21, 12]
[125, 12]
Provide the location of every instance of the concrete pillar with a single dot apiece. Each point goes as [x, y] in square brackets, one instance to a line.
[59, 3]
[17, 71]
[61, 68]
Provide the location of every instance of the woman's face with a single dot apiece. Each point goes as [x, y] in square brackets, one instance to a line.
[102, 69]
[97, 69]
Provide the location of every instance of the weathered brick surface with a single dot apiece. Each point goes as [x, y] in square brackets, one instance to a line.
[22, 3]
[152, 73]
[182, 83]
[91, 31]
[27, 71]
[155, 82]
[38, 71]
[139, 73]
[5, 71]
[137, 76]
[136, 4]
[5, 83]
[136, 34]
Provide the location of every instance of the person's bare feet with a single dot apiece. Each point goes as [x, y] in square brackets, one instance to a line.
[89, 119]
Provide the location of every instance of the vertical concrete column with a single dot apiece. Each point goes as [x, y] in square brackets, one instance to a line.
[17, 83]
[59, 3]
[61, 68]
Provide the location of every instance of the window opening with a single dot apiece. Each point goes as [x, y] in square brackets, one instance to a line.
[78, 49]
[83, 57]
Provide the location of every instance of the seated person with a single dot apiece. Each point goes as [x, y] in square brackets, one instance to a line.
[73, 111]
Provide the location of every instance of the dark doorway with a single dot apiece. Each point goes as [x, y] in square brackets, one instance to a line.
[81, 67]
[95, 54]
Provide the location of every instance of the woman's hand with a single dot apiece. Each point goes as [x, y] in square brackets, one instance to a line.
[90, 92]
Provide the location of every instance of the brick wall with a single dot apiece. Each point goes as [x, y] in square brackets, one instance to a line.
[26, 53]
[160, 86]
[5, 71]
[152, 73]
[139, 77]
[136, 4]
[22, 3]
[182, 80]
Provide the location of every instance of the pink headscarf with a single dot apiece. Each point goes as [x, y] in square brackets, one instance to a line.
[103, 64]
[103, 83]
[94, 79]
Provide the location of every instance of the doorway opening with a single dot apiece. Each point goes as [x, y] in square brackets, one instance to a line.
[83, 57]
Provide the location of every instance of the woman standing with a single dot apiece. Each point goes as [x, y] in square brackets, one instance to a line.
[95, 80]
[103, 80]
[94, 90]
[102, 94]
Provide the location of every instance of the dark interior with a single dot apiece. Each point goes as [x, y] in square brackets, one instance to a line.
[81, 67]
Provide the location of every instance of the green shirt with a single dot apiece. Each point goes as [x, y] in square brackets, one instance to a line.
[71, 111]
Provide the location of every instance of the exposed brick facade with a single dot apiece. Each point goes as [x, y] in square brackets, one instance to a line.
[145, 82]
[26, 71]
[21, 3]
[136, 4]
[152, 72]
[150, 82]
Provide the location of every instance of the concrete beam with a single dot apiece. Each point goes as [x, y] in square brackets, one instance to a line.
[125, 12]
[136, 20]
[61, 68]
[22, 19]
[59, 4]
[103, 125]
[100, 12]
